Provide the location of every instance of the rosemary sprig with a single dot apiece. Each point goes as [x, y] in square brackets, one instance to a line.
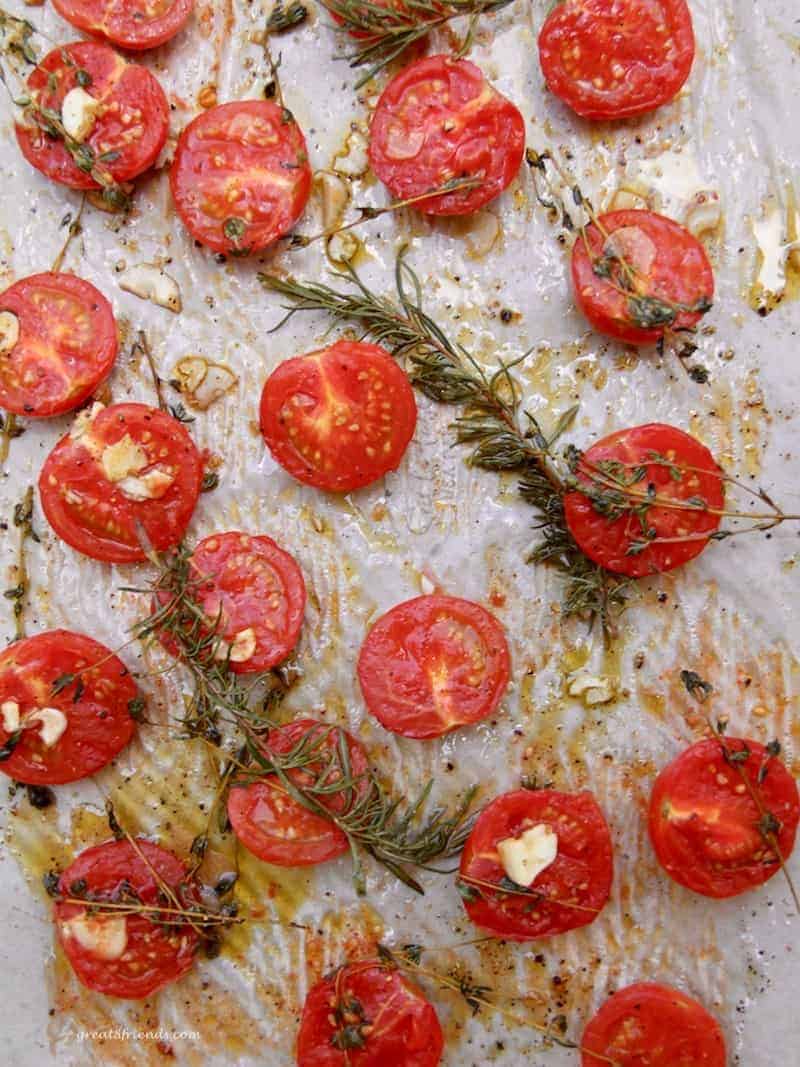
[23, 520]
[384, 31]
[217, 693]
[768, 825]
[500, 434]
[317, 773]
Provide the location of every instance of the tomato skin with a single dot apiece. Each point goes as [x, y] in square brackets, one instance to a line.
[620, 42]
[92, 515]
[255, 148]
[440, 119]
[67, 344]
[280, 830]
[256, 585]
[671, 263]
[607, 541]
[99, 723]
[154, 956]
[433, 664]
[581, 873]
[705, 834]
[406, 1033]
[126, 24]
[651, 1025]
[340, 418]
[125, 89]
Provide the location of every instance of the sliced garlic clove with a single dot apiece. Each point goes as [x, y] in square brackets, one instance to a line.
[353, 162]
[52, 724]
[105, 938]
[593, 689]
[150, 486]
[78, 113]
[240, 650]
[203, 382]
[150, 282]
[524, 858]
[704, 213]
[122, 459]
[335, 195]
[9, 711]
[9, 332]
[483, 234]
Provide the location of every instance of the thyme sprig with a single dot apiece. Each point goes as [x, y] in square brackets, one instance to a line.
[23, 521]
[646, 310]
[367, 213]
[474, 888]
[16, 43]
[385, 30]
[623, 490]
[476, 995]
[500, 434]
[317, 773]
[768, 825]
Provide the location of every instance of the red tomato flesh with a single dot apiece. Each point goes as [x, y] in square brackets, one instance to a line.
[67, 344]
[650, 1025]
[132, 24]
[366, 1015]
[274, 826]
[689, 493]
[247, 583]
[668, 265]
[154, 955]
[439, 119]
[704, 823]
[241, 176]
[340, 418]
[96, 511]
[564, 896]
[96, 706]
[610, 59]
[433, 664]
[130, 128]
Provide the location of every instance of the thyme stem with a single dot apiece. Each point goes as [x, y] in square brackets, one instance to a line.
[23, 520]
[385, 32]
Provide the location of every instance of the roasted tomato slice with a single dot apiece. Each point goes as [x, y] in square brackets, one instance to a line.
[649, 1025]
[340, 418]
[650, 499]
[58, 341]
[440, 120]
[132, 24]
[55, 732]
[366, 1015]
[254, 596]
[124, 134]
[636, 274]
[277, 828]
[120, 953]
[433, 664]
[568, 892]
[241, 176]
[609, 59]
[120, 468]
[706, 828]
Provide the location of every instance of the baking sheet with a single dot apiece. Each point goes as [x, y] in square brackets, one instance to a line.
[730, 615]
